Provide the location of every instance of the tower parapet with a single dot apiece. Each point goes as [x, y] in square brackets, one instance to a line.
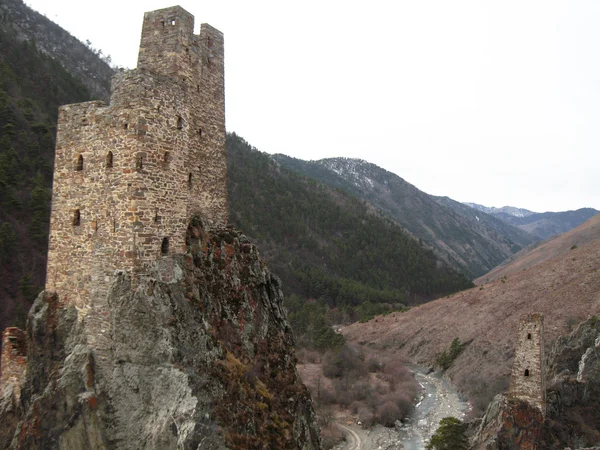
[129, 175]
[528, 382]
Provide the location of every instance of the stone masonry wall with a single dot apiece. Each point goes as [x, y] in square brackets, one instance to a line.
[14, 359]
[528, 381]
[129, 175]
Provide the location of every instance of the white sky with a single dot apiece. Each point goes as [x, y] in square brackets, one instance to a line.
[492, 102]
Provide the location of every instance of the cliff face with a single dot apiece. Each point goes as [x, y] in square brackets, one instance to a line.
[198, 353]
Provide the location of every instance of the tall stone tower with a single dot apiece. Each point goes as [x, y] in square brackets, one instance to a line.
[527, 381]
[128, 176]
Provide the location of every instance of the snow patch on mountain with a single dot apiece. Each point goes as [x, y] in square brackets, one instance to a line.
[511, 210]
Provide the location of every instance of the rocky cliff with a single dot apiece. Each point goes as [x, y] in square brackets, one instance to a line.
[198, 353]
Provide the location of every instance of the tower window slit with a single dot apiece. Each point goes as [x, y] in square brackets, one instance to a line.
[528, 335]
[76, 218]
[179, 123]
[139, 164]
[164, 247]
[190, 179]
[109, 160]
[526, 372]
[79, 163]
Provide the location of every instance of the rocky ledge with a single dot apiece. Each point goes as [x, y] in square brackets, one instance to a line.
[198, 355]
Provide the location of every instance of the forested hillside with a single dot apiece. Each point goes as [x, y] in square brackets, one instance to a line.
[470, 241]
[325, 243]
[32, 85]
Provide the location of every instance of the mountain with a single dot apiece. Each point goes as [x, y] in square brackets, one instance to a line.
[568, 242]
[23, 24]
[33, 83]
[469, 242]
[510, 210]
[325, 243]
[542, 225]
[564, 288]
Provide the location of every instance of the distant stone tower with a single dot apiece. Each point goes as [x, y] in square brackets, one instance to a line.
[128, 176]
[528, 382]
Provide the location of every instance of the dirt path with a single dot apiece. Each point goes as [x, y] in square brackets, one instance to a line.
[353, 438]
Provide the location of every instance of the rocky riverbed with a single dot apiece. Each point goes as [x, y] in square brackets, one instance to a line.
[438, 400]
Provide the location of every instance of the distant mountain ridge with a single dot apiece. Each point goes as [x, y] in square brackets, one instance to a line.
[510, 210]
[22, 22]
[542, 225]
[470, 241]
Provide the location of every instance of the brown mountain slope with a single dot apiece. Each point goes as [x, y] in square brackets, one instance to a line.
[566, 289]
[588, 231]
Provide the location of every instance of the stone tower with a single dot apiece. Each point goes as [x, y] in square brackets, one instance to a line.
[527, 381]
[129, 175]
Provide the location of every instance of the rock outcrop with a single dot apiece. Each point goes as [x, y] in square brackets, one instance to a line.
[509, 424]
[572, 398]
[198, 355]
[573, 395]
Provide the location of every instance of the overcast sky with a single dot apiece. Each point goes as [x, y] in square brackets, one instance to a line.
[491, 102]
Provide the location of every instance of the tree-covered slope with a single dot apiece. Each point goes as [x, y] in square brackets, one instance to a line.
[32, 86]
[326, 243]
[472, 243]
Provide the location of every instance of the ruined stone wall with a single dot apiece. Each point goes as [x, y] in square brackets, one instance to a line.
[14, 359]
[528, 380]
[129, 175]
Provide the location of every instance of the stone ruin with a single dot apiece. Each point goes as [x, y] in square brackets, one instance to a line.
[129, 175]
[528, 382]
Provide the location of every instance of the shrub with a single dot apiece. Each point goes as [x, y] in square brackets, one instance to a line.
[366, 416]
[446, 358]
[361, 390]
[340, 362]
[388, 413]
[355, 406]
[450, 435]
[331, 435]
[403, 399]
[374, 364]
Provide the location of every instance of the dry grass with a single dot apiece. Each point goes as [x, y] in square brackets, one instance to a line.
[584, 234]
[566, 289]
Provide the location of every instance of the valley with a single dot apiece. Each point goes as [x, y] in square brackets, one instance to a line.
[338, 295]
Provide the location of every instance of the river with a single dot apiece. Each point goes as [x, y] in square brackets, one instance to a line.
[438, 400]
